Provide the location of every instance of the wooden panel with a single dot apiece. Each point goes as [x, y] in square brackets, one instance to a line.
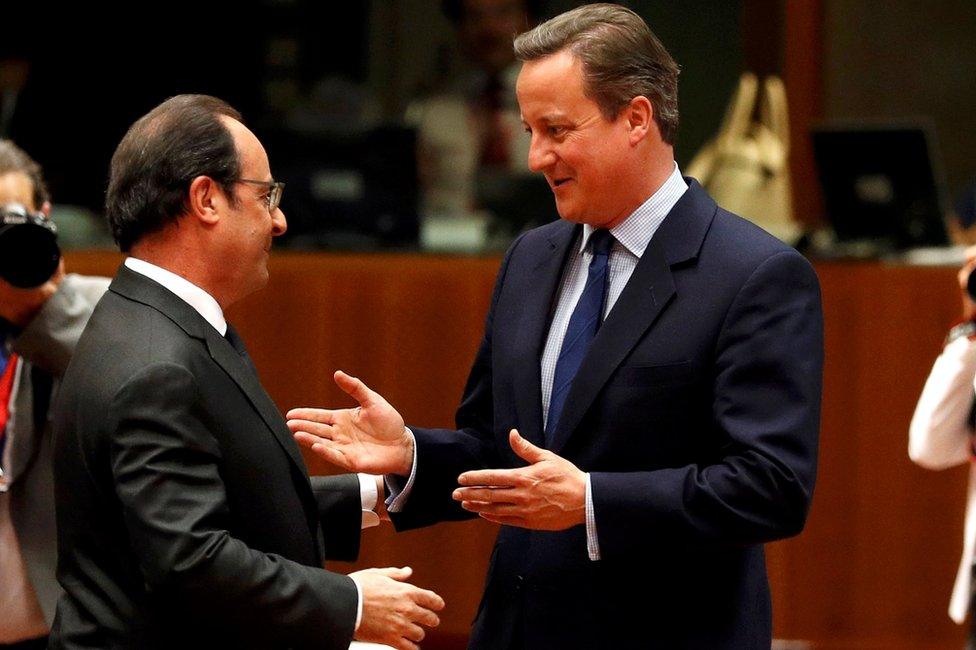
[803, 76]
[875, 565]
[878, 557]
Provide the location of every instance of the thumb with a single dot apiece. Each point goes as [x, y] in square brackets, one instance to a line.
[525, 449]
[401, 573]
[355, 388]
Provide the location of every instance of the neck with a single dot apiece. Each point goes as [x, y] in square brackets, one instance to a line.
[182, 260]
[649, 176]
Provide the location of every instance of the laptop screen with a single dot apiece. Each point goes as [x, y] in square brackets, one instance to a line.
[881, 183]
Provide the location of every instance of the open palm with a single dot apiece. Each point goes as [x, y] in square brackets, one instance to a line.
[370, 438]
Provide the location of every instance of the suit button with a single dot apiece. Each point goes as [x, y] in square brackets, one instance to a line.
[519, 582]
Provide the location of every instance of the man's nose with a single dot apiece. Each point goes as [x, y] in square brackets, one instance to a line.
[540, 156]
[278, 223]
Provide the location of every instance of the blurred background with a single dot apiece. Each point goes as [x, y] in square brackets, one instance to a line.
[393, 125]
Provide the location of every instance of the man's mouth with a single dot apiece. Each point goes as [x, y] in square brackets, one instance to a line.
[558, 182]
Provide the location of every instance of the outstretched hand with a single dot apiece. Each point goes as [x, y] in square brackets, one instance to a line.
[548, 494]
[370, 438]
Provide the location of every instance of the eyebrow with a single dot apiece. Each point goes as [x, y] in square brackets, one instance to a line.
[549, 117]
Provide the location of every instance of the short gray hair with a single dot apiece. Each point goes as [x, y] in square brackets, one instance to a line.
[621, 59]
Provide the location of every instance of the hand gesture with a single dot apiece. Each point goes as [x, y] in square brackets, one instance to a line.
[549, 494]
[395, 610]
[370, 438]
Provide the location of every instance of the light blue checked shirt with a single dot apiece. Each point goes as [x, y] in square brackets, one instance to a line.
[631, 238]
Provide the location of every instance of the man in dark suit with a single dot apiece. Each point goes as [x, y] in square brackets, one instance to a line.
[638, 464]
[185, 515]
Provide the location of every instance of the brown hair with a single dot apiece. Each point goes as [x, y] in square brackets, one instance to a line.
[621, 59]
[13, 159]
[159, 157]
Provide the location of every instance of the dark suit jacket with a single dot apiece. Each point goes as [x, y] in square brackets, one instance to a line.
[185, 516]
[696, 412]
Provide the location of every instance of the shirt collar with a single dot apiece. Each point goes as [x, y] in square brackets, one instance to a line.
[200, 300]
[634, 233]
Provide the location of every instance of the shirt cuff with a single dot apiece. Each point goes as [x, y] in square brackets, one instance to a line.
[359, 605]
[592, 541]
[367, 495]
[399, 493]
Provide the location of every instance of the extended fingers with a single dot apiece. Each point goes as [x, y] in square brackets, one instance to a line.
[491, 478]
[428, 600]
[488, 495]
[311, 427]
[496, 509]
[405, 644]
[324, 416]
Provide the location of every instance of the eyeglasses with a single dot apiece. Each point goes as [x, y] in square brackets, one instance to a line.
[275, 189]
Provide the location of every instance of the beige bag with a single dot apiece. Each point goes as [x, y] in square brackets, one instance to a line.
[746, 167]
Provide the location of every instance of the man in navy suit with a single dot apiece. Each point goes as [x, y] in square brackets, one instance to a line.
[643, 411]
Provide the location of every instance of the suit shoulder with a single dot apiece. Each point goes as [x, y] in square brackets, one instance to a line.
[124, 336]
[743, 243]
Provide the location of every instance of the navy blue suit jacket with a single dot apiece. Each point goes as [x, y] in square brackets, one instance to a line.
[696, 413]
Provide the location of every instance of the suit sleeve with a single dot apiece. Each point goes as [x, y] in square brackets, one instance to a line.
[50, 338]
[765, 413]
[340, 511]
[165, 465]
[443, 454]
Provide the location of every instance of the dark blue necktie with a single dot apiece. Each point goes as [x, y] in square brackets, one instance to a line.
[235, 341]
[582, 327]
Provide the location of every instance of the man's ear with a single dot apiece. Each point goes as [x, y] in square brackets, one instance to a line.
[639, 114]
[205, 199]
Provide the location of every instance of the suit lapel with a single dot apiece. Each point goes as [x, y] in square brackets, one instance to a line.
[247, 380]
[648, 292]
[539, 292]
[139, 288]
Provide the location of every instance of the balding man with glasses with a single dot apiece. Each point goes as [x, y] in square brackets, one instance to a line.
[186, 518]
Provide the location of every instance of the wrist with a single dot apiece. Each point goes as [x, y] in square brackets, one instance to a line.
[406, 464]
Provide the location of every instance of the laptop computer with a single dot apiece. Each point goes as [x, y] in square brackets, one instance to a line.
[883, 184]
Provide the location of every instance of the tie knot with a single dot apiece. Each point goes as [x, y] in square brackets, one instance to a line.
[601, 241]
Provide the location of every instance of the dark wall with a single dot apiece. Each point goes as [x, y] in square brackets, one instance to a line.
[888, 60]
[96, 69]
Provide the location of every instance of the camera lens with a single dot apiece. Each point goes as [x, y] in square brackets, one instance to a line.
[29, 255]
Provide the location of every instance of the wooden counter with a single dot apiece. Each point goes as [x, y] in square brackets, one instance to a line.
[874, 567]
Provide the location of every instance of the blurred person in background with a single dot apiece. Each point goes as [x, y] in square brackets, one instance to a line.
[471, 123]
[942, 428]
[39, 327]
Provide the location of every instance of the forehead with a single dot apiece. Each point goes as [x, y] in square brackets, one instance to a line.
[254, 159]
[550, 85]
[16, 187]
